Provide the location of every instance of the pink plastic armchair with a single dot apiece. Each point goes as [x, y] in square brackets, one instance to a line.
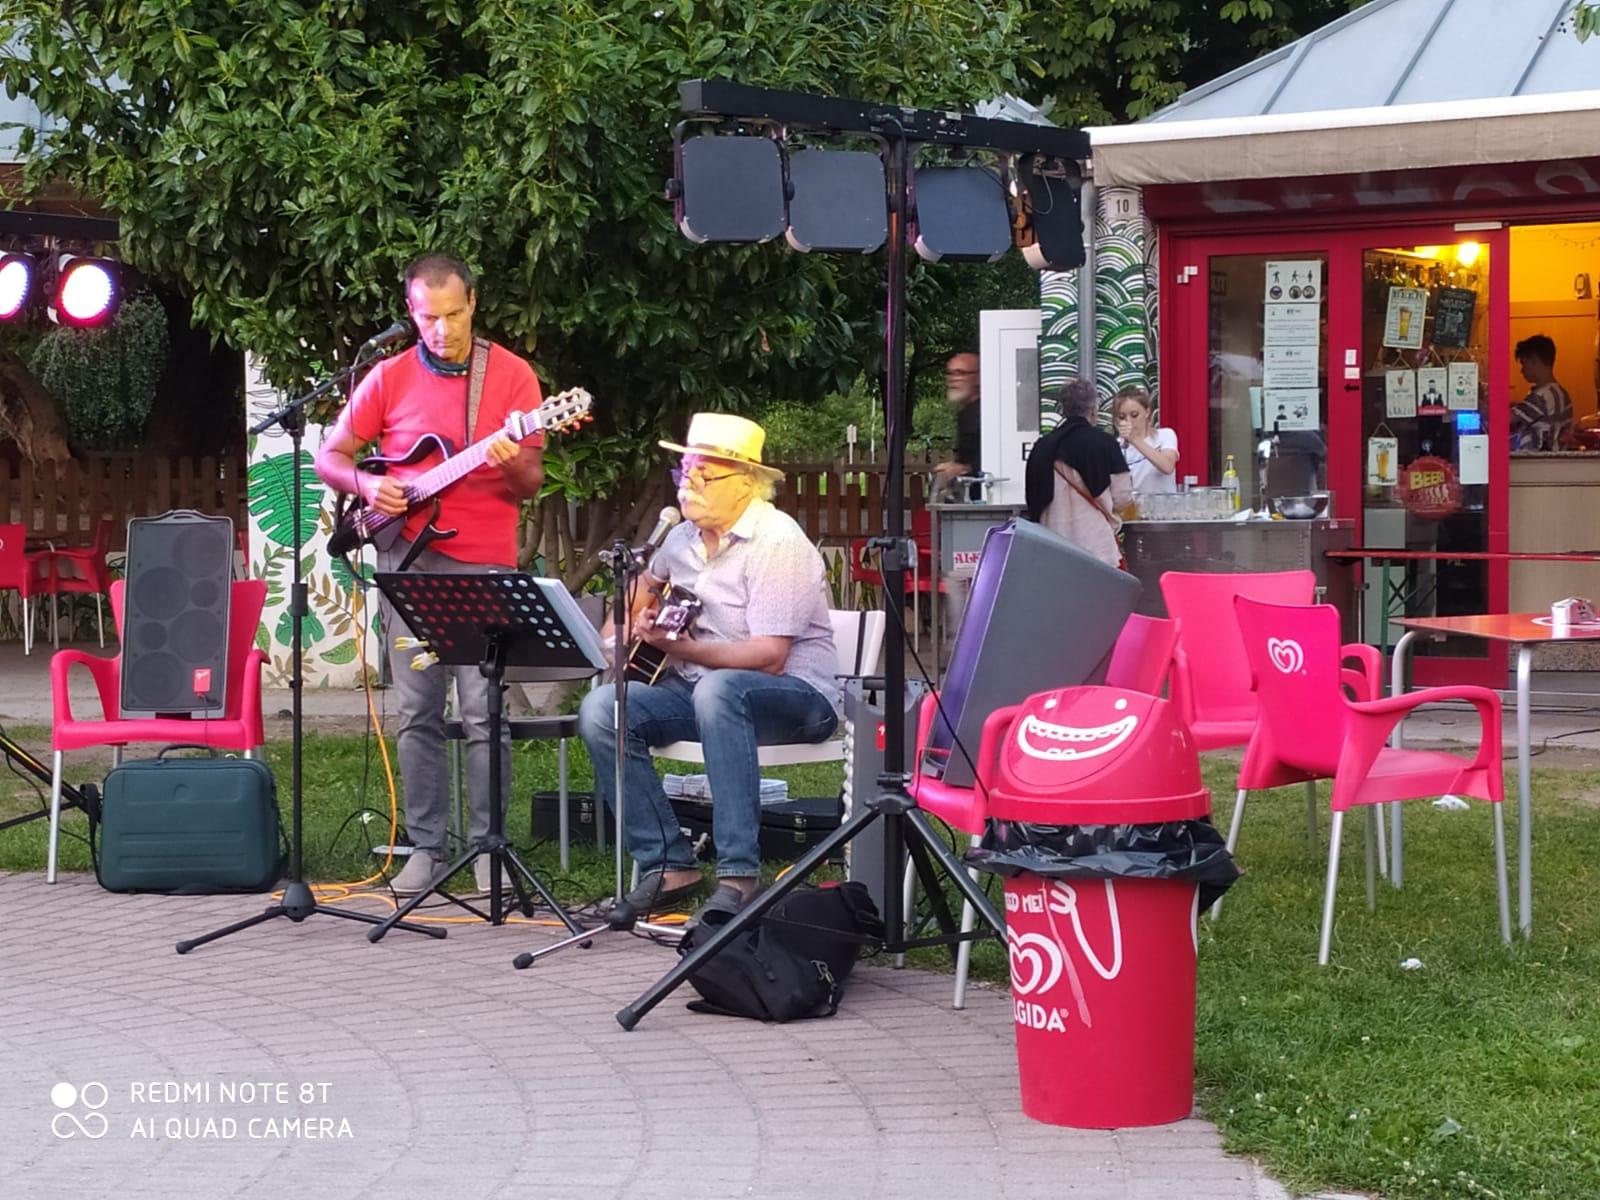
[239, 728]
[1309, 730]
[27, 574]
[1210, 678]
[1139, 662]
[83, 572]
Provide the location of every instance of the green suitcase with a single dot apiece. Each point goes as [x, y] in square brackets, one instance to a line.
[190, 825]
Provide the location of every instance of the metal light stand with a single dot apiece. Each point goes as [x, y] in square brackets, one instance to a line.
[905, 824]
[298, 901]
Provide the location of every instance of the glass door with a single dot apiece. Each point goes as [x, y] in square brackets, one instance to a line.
[1429, 436]
[1356, 365]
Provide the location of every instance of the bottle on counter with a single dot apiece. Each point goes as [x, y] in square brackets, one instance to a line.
[1230, 485]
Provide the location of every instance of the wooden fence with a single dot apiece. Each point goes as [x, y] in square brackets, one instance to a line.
[833, 501]
[62, 501]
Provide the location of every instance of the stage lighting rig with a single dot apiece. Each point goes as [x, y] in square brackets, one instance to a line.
[18, 285]
[87, 292]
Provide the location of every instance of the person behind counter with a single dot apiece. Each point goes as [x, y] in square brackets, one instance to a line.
[1077, 480]
[961, 389]
[1151, 452]
[1542, 420]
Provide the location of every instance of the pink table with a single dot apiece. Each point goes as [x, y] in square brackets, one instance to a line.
[1524, 631]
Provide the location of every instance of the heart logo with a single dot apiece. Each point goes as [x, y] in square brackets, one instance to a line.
[1286, 655]
[1036, 962]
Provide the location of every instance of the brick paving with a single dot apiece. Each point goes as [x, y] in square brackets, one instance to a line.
[432, 1068]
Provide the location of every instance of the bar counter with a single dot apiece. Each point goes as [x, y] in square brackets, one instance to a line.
[1154, 547]
[1554, 507]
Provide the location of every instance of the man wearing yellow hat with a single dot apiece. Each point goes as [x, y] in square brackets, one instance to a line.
[758, 667]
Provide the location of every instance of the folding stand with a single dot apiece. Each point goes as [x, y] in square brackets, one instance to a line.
[71, 797]
[496, 620]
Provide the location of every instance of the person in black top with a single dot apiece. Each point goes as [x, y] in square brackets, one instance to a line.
[961, 389]
[1077, 479]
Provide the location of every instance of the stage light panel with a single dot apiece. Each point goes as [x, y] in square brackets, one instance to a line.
[961, 214]
[86, 292]
[16, 285]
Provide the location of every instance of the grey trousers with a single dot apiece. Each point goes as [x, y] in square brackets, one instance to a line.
[419, 736]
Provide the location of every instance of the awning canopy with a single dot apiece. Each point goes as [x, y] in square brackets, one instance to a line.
[1397, 137]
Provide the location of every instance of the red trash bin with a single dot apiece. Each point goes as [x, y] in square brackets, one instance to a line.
[1102, 969]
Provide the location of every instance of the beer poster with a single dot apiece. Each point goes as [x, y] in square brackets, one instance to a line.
[1402, 323]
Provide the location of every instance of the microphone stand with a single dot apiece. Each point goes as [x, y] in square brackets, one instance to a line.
[626, 563]
[298, 901]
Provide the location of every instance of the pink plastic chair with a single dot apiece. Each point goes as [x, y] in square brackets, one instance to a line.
[1139, 662]
[1210, 678]
[1309, 730]
[239, 728]
[83, 572]
[27, 574]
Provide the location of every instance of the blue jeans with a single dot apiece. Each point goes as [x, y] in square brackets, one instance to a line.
[730, 713]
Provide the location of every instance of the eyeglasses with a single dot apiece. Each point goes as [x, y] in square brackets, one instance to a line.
[681, 474]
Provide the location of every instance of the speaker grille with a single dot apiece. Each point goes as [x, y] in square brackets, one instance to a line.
[175, 613]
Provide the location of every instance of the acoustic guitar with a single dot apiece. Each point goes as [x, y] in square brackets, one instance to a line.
[355, 524]
[676, 611]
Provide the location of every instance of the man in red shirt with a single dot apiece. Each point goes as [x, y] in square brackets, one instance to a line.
[425, 391]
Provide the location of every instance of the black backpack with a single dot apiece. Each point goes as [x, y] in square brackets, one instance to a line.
[793, 962]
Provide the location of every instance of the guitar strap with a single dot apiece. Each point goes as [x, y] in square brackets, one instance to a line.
[475, 374]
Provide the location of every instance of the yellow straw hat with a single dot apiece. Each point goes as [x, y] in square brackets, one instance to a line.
[727, 438]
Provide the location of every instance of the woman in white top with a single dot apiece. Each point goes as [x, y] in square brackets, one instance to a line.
[1150, 452]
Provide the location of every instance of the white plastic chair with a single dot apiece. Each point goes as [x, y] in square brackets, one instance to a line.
[858, 640]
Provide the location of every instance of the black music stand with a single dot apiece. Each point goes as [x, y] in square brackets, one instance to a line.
[496, 620]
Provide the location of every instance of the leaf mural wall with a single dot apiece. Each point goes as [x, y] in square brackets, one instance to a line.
[339, 632]
[1124, 303]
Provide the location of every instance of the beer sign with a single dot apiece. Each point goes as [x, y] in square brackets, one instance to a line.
[1429, 487]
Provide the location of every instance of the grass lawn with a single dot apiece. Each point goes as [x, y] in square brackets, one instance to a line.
[1475, 1075]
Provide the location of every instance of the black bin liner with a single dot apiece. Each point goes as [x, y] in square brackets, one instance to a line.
[1188, 850]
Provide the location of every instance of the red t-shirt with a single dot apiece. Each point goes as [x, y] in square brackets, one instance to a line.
[400, 400]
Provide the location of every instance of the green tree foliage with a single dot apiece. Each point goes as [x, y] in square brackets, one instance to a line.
[284, 160]
[105, 378]
[1103, 61]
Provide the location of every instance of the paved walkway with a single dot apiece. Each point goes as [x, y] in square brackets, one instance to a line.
[433, 1069]
[439, 1071]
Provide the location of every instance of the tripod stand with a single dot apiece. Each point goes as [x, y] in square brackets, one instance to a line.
[71, 796]
[626, 564]
[298, 901]
[495, 620]
[904, 824]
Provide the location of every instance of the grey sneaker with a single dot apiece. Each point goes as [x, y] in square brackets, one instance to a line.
[420, 871]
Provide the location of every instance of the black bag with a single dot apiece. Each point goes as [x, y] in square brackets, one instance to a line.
[793, 962]
[189, 826]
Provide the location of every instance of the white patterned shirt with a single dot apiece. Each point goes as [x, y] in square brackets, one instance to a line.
[765, 579]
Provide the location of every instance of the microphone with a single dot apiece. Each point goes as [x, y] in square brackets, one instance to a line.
[669, 517]
[637, 556]
[397, 332]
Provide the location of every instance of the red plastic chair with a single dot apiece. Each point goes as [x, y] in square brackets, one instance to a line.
[239, 728]
[83, 572]
[27, 574]
[1139, 662]
[1309, 730]
[1211, 679]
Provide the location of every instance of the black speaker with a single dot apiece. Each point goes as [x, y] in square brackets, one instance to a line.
[178, 583]
[1043, 614]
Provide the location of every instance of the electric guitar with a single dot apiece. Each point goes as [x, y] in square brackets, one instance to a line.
[675, 612]
[355, 524]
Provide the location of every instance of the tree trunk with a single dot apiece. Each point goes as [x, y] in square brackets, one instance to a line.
[29, 414]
